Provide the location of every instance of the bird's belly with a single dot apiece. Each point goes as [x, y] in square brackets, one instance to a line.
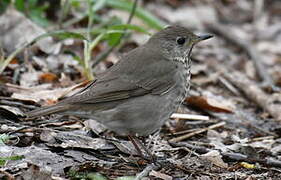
[141, 115]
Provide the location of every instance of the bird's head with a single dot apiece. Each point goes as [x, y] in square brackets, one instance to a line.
[175, 42]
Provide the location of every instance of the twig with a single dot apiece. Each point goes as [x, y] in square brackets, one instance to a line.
[255, 94]
[15, 103]
[231, 156]
[180, 138]
[246, 46]
[182, 132]
[160, 175]
[262, 138]
[190, 116]
[146, 171]
[229, 86]
[8, 175]
[104, 54]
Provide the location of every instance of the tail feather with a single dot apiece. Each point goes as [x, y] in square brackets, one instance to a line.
[46, 111]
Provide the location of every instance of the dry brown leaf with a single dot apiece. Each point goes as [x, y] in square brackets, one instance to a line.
[48, 77]
[14, 61]
[215, 157]
[209, 104]
[50, 102]
[160, 175]
[37, 94]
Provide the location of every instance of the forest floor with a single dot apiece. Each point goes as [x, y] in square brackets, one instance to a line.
[231, 127]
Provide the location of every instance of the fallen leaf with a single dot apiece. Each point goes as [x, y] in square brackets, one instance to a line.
[35, 172]
[48, 77]
[37, 94]
[215, 157]
[14, 61]
[247, 165]
[10, 111]
[209, 104]
[41, 157]
[160, 175]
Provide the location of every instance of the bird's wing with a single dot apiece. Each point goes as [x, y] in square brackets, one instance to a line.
[129, 78]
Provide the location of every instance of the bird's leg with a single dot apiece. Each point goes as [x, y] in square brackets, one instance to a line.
[151, 156]
[135, 141]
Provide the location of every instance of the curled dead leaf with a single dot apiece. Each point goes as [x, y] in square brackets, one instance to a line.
[215, 157]
[209, 104]
[48, 77]
[14, 61]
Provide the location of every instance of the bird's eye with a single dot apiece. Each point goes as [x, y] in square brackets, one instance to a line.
[180, 40]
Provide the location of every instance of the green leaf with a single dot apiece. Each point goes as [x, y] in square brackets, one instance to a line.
[10, 158]
[58, 34]
[34, 11]
[114, 39]
[32, 3]
[3, 5]
[130, 27]
[114, 32]
[4, 138]
[98, 5]
[96, 176]
[78, 59]
[19, 4]
[2, 163]
[61, 35]
[75, 3]
[37, 17]
[146, 16]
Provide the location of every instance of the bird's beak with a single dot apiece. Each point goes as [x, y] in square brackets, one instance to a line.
[204, 37]
[198, 39]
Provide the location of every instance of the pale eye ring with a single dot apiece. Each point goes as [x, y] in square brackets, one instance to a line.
[181, 40]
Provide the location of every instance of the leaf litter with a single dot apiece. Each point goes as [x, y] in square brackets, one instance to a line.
[234, 88]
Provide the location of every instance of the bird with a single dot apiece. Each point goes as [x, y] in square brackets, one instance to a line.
[140, 92]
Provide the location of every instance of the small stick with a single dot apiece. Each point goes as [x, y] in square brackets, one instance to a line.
[229, 86]
[255, 94]
[190, 116]
[262, 138]
[232, 156]
[8, 175]
[180, 138]
[146, 171]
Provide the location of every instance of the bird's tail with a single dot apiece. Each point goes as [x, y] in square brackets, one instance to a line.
[46, 111]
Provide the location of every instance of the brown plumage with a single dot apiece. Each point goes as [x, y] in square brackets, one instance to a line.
[141, 91]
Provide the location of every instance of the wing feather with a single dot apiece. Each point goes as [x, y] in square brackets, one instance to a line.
[129, 78]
